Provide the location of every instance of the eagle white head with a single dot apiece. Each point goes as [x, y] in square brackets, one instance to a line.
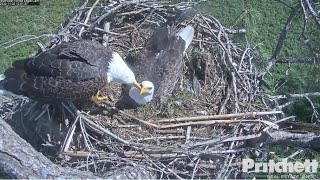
[144, 95]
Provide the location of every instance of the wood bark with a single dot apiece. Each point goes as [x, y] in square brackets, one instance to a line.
[18, 159]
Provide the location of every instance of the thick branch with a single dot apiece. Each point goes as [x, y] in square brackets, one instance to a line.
[20, 160]
[281, 40]
[305, 140]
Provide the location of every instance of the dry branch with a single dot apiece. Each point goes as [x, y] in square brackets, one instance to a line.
[218, 121]
[281, 39]
[304, 140]
[223, 116]
[88, 16]
[22, 39]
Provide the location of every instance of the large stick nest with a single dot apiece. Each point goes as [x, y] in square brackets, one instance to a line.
[213, 117]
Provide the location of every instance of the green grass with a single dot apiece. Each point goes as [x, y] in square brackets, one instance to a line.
[17, 21]
[264, 20]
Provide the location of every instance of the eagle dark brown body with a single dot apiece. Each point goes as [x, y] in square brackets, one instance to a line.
[71, 71]
[161, 62]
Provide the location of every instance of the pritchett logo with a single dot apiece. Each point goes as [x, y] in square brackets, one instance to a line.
[280, 167]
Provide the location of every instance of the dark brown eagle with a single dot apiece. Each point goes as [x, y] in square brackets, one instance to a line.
[71, 71]
[158, 66]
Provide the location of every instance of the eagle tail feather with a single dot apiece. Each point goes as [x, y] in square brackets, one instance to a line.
[187, 35]
[20, 63]
[2, 78]
[13, 86]
[13, 78]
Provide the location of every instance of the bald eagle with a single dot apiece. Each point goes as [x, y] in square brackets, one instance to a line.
[158, 66]
[72, 71]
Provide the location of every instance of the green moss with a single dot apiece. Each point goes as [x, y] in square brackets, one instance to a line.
[17, 21]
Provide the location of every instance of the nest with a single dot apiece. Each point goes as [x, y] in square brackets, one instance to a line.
[213, 118]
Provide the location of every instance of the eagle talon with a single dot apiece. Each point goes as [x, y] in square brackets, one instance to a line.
[97, 99]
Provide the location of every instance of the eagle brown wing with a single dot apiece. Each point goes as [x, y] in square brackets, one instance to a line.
[161, 63]
[69, 71]
[166, 62]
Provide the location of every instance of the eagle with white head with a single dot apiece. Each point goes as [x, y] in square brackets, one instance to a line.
[160, 65]
[71, 71]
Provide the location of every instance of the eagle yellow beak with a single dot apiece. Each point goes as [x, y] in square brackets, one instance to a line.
[143, 90]
[137, 85]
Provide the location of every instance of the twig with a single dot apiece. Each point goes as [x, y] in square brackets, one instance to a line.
[97, 154]
[145, 19]
[226, 49]
[229, 151]
[292, 95]
[220, 121]
[69, 136]
[88, 16]
[242, 138]
[203, 143]
[86, 139]
[284, 119]
[29, 37]
[41, 47]
[132, 117]
[96, 28]
[109, 133]
[120, 5]
[224, 103]
[235, 93]
[188, 134]
[162, 138]
[133, 12]
[195, 169]
[315, 15]
[224, 116]
[139, 120]
[315, 112]
[296, 153]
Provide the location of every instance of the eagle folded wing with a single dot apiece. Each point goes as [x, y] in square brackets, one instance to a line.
[67, 72]
[163, 63]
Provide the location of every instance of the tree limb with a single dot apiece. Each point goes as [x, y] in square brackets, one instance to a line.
[281, 40]
[20, 160]
[315, 15]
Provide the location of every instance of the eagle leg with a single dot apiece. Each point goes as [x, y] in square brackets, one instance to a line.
[97, 99]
